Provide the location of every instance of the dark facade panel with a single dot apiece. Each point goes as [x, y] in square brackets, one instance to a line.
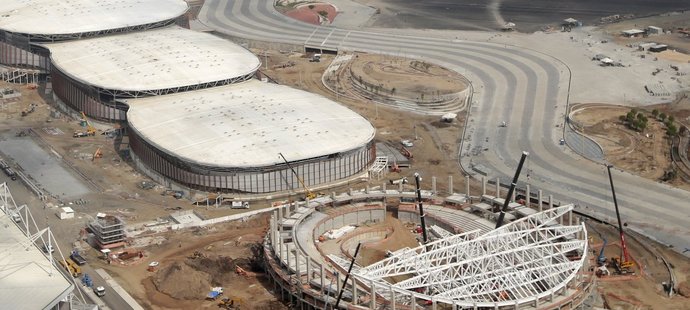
[314, 172]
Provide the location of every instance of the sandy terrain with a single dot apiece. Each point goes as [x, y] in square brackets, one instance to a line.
[182, 282]
[436, 144]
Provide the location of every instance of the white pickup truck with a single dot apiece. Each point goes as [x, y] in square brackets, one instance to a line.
[239, 205]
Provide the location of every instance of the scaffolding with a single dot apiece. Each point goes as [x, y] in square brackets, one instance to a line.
[378, 169]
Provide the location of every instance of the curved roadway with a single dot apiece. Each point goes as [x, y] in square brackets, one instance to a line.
[527, 89]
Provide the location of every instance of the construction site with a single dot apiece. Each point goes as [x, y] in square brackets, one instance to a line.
[178, 192]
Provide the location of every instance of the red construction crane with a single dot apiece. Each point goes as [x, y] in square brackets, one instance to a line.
[625, 261]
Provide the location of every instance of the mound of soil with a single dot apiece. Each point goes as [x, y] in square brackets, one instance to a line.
[220, 268]
[181, 281]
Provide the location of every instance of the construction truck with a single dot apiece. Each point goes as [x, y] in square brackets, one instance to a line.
[71, 267]
[90, 130]
[230, 303]
[174, 193]
[77, 258]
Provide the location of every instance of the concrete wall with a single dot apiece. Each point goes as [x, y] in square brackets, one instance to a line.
[430, 220]
[355, 217]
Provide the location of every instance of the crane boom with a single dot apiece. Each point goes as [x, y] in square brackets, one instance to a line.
[625, 257]
[499, 222]
[308, 192]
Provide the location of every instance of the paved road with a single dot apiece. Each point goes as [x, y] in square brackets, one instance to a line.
[525, 88]
[64, 232]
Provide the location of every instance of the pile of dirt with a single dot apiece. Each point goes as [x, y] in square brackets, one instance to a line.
[220, 269]
[181, 281]
[684, 289]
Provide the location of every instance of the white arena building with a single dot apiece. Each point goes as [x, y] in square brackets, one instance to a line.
[97, 75]
[195, 117]
[230, 137]
[26, 24]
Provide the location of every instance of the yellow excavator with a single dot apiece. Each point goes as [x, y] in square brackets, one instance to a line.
[309, 194]
[90, 130]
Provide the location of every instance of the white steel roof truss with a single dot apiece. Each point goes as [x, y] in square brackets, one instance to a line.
[488, 265]
[441, 257]
[516, 263]
[412, 256]
[515, 282]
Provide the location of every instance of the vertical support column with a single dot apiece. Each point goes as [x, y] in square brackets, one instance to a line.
[308, 268]
[400, 187]
[392, 294]
[372, 302]
[384, 187]
[528, 197]
[550, 202]
[483, 186]
[280, 214]
[354, 291]
[513, 196]
[297, 262]
[467, 186]
[570, 218]
[367, 189]
[540, 198]
[450, 185]
[498, 188]
[337, 282]
[287, 258]
[280, 248]
[287, 211]
[433, 185]
[323, 272]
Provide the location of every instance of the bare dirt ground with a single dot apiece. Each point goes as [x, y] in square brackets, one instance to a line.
[645, 153]
[644, 289]
[182, 282]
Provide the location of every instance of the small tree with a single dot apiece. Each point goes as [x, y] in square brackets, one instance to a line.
[662, 116]
[672, 130]
[311, 6]
[671, 118]
[393, 91]
[630, 117]
[655, 113]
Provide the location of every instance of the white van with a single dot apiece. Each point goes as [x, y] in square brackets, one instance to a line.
[239, 205]
[16, 218]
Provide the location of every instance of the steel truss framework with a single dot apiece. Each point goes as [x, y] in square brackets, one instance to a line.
[121, 94]
[44, 38]
[517, 263]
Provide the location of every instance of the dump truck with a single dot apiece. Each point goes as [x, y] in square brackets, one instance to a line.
[77, 258]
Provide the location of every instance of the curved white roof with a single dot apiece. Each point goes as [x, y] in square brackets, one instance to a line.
[247, 125]
[152, 60]
[54, 17]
